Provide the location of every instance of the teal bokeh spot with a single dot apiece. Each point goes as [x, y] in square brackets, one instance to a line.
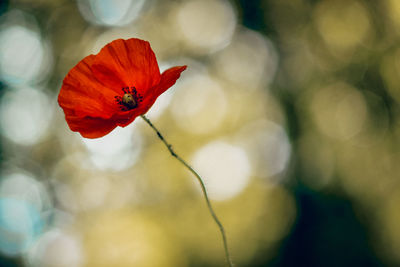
[20, 225]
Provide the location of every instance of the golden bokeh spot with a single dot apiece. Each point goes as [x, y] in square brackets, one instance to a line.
[342, 25]
[393, 9]
[125, 238]
[390, 69]
[339, 111]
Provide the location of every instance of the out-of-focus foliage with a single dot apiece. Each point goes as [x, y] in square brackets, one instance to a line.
[288, 109]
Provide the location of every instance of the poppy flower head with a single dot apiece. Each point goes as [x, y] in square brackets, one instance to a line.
[130, 99]
[112, 88]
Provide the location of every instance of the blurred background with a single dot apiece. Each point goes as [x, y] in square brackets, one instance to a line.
[288, 109]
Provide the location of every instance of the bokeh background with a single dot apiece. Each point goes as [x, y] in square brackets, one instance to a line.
[288, 109]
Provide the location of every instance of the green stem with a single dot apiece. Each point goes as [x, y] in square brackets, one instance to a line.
[203, 188]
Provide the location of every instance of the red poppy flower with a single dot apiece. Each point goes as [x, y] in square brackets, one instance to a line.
[112, 88]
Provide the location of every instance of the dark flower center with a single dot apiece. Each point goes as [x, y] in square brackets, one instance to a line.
[130, 99]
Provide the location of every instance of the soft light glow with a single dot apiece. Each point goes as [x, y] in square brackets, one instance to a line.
[24, 187]
[66, 196]
[23, 202]
[339, 111]
[20, 225]
[206, 25]
[110, 12]
[126, 238]
[23, 56]
[197, 99]
[24, 115]
[55, 248]
[250, 60]
[225, 169]
[116, 151]
[342, 26]
[393, 8]
[390, 69]
[90, 198]
[268, 146]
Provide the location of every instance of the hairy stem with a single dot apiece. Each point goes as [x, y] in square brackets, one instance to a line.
[203, 188]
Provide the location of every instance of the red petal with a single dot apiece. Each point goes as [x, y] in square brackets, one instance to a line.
[90, 127]
[131, 61]
[84, 94]
[125, 120]
[168, 78]
[88, 90]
